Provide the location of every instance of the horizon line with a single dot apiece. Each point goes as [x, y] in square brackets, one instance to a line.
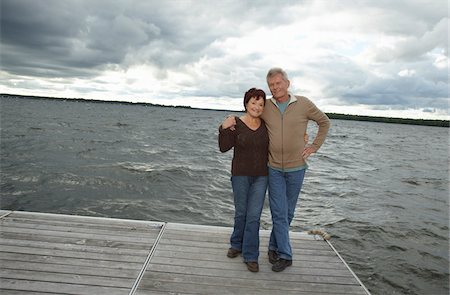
[204, 109]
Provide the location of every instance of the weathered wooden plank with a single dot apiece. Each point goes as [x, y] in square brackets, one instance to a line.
[210, 243]
[78, 218]
[104, 236]
[91, 258]
[218, 255]
[197, 227]
[224, 265]
[226, 230]
[78, 221]
[79, 228]
[74, 247]
[155, 292]
[22, 292]
[264, 234]
[221, 251]
[118, 272]
[90, 255]
[4, 213]
[176, 269]
[71, 254]
[6, 285]
[256, 283]
[70, 261]
[195, 288]
[296, 275]
[222, 248]
[224, 244]
[74, 240]
[74, 278]
[205, 237]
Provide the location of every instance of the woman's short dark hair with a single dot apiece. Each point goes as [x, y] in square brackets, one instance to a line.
[256, 93]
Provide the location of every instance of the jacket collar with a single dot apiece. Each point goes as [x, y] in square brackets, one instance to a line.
[292, 99]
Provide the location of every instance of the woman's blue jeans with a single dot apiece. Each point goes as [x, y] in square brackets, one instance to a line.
[249, 193]
[284, 190]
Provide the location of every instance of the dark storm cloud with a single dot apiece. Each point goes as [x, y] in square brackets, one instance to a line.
[53, 38]
[377, 53]
[398, 92]
[396, 87]
[65, 38]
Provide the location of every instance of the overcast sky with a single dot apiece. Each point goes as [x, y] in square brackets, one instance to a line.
[380, 57]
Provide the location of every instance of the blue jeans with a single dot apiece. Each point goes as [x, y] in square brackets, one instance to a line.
[249, 193]
[284, 190]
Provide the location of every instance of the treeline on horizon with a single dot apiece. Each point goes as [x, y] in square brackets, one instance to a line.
[425, 122]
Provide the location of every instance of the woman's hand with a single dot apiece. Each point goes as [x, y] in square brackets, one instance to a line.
[229, 122]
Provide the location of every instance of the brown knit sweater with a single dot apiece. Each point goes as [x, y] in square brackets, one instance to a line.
[250, 154]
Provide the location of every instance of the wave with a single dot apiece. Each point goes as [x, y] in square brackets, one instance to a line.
[382, 196]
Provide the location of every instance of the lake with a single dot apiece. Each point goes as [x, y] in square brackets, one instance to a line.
[381, 190]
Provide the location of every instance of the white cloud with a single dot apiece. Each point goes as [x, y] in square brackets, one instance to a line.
[388, 56]
[406, 73]
[440, 61]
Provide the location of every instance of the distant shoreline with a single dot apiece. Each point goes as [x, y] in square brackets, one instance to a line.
[424, 122]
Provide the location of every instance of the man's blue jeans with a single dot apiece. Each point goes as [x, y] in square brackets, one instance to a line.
[284, 190]
[249, 193]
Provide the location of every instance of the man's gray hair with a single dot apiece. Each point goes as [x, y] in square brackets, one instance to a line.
[275, 71]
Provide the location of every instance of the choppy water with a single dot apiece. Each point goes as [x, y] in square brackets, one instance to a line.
[380, 189]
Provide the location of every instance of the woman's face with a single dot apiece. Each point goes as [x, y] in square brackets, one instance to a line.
[255, 106]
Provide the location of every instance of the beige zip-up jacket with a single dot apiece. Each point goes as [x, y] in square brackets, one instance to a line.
[286, 131]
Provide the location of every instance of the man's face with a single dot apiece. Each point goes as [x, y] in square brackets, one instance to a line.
[279, 87]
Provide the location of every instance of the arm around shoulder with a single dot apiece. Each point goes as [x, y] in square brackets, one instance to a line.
[227, 135]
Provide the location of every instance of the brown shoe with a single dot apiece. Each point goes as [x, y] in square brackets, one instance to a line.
[232, 253]
[252, 266]
[281, 264]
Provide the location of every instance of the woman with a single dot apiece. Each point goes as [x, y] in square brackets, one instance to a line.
[248, 136]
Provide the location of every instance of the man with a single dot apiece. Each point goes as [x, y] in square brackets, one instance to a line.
[286, 118]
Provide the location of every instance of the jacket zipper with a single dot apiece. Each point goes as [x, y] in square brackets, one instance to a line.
[282, 140]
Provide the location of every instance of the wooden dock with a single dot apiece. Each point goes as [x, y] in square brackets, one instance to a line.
[44, 253]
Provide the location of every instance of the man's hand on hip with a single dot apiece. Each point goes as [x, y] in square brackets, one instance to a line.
[308, 151]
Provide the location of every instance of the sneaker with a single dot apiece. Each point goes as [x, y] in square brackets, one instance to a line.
[273, 256]
[281, 264]
[232, 253]
[252, 266]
